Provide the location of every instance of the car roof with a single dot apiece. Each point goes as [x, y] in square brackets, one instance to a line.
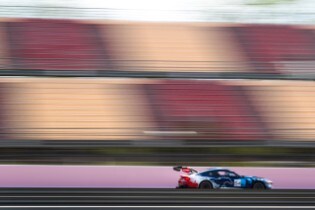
[217, 169]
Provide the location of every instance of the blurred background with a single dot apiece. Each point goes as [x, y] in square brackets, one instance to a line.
[203, 82]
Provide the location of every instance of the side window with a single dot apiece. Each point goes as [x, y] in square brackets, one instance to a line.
[232, 174]
[223, 173]
[215, 174]
[209, 174]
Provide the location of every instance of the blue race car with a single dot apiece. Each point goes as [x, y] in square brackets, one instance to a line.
[219, 178]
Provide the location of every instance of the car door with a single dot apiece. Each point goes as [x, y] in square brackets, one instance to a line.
[237, 181]
[224, 180]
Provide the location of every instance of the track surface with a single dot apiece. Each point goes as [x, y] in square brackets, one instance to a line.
[154, 199]
[80, 176]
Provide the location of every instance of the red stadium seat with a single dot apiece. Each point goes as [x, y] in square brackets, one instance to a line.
[210, 109]
[55, 45]
[273, 48]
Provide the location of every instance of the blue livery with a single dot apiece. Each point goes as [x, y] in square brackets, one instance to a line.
[218, 178]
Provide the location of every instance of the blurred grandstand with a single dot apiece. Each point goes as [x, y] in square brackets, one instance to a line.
[275, 103]
[101, 84]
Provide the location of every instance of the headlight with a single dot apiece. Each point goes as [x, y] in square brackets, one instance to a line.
[269, 181]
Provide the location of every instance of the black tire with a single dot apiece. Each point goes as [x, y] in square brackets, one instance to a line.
[259, 186]
[205, 185]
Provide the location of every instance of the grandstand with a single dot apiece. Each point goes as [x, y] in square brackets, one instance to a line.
[251, 82]
[116, 48]
[99, 109]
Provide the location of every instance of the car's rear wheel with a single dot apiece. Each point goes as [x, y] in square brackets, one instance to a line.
[259, 186]
[205, 185]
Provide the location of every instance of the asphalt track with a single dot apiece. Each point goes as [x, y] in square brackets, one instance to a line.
[40, 198]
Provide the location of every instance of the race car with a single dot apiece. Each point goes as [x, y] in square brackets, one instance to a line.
[219, 178]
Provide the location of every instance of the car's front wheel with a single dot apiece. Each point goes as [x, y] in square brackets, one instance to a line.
[259, 186]
[205, 185]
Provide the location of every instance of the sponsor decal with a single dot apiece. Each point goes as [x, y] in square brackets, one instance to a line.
[237, 183]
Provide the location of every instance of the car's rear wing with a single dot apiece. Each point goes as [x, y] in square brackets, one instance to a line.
[185, 169]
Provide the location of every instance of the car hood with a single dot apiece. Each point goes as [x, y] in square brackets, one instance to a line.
[256, 178]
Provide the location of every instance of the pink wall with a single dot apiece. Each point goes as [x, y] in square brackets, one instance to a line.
[134, 176]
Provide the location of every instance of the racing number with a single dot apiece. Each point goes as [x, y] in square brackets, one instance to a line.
[237, 183]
